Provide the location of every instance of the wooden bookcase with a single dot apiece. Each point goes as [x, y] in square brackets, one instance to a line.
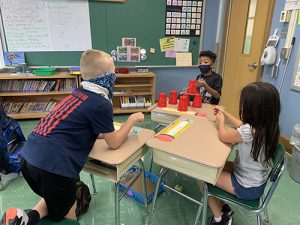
[16, 90]
[130, 85]
[134, 85]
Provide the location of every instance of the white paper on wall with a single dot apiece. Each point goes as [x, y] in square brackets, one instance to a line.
[49, 25]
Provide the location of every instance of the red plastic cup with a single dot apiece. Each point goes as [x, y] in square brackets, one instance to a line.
[197, 103]
[173, 97]
[192, 88]
[162, 100]
[182, 105]
[187, 98]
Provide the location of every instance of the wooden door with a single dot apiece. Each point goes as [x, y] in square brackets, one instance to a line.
[248, 30]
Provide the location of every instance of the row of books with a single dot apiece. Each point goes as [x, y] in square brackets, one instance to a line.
[37, 85]
[135, 102]
[29, 107]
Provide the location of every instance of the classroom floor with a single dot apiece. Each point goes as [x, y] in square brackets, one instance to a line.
[284, 208]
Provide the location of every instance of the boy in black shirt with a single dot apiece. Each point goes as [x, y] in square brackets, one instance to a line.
[209, 83]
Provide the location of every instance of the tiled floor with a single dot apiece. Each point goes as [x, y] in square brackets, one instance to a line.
[284, 208]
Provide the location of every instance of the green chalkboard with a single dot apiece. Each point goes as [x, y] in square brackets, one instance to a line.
[140, 19]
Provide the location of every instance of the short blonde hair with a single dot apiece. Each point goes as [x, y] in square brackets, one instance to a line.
[94, 63]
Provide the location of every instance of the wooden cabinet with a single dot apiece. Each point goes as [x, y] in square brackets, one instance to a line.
[26, 97]
[134, 92]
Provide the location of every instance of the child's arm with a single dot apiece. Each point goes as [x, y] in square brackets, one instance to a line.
[227, 136]
[116, 138]
[231, 119]
[213, 92]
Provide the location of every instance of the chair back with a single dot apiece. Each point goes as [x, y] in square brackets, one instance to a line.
[278, 165]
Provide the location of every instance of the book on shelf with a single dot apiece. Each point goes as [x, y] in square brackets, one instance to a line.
[37, 85]
[124, 102]
[135, 101]
[11, 107]
[57, 85]
[123, 91]
[148, 101]
[140, 101]
[132, 102]
[74, 70]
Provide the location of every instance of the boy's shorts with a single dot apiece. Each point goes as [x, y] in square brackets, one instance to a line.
[58, 191]
[247, 193]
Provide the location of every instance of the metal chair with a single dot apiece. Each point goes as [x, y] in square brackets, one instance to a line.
[257, 206]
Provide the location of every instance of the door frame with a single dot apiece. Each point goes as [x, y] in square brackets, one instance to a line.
[226, 30]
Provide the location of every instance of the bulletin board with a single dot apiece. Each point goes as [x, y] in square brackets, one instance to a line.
[110, 22]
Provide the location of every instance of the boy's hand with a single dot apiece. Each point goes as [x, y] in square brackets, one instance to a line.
[136, 117]
[201, 83]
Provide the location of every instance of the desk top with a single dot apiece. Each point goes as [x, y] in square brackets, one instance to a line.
[172, 109]
[199, 143]
[103, 153]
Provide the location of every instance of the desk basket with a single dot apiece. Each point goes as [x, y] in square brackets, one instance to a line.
[44, 71]
[136, 191]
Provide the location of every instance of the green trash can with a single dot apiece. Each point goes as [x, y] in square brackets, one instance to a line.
[295, 164]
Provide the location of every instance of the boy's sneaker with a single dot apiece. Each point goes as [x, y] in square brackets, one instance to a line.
[6, 178]
[14, 216]
[227, 210]
[226, 220]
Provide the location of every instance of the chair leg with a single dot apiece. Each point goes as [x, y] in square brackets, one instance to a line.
[162, 172]
[93, 183]
[198, 214]
[117, 204]
[259, 219]
[266, 213]
[151, 161]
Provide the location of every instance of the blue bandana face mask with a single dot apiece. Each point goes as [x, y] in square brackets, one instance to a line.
[204, 68]
[106, 80]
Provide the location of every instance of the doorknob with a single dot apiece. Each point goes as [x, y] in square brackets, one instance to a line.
[253, 66]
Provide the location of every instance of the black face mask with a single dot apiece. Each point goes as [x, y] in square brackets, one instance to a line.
[204, 68]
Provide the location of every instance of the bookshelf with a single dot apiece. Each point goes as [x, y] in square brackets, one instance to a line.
[30, 97]
[138, 87]
[134, 92]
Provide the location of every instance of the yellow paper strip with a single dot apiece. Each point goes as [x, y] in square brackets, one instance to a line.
[177, 128]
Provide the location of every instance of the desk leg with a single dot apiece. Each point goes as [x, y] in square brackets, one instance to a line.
[144, 186]
[162, 172]
[117, 204]
[93, 183]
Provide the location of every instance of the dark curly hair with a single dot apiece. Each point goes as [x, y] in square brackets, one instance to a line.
[209, 54]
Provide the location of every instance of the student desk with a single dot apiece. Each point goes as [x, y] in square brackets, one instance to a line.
[170, 113]
[197, 152]
[112, 164]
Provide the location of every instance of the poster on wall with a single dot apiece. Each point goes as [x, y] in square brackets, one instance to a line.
[291, 5]
[183, 18]
[295, 84]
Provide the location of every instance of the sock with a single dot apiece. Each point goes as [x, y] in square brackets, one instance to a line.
[218, 219]
[34, 217]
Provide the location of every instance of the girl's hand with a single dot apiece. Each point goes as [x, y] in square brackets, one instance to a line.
[220, 118]
[217, 109]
